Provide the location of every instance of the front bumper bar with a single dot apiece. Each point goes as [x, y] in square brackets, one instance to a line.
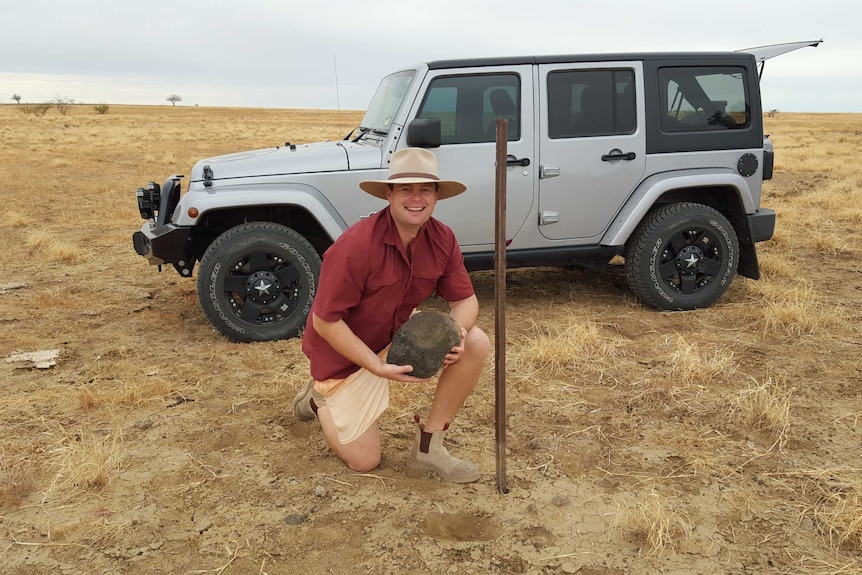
[163, 244]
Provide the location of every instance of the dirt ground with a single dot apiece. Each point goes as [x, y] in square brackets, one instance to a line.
[724, 440]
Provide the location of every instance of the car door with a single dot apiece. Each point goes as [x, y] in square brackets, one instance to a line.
[468, 102]
[591, 146]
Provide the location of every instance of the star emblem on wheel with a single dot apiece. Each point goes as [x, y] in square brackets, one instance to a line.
[691, 261]
[263, 288]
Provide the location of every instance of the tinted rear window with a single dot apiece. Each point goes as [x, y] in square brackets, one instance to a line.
[703, 98]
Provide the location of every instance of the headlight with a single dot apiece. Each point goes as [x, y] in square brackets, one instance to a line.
[148, 200]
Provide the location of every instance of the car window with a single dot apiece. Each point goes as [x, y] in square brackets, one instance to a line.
[468, 106]
[703, 98]
[590, 103]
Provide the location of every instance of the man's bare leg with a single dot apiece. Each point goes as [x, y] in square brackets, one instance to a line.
[362, 454]
[456, 383]
[458, 380]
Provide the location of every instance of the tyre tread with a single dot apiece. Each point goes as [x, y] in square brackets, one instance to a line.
[640, 244]
[284, 330]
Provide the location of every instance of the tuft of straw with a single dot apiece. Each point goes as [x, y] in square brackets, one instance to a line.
[86, 462]
[764, 407]
[839, 515]
[655, 520]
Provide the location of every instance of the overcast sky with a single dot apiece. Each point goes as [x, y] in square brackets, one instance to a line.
[331, 54]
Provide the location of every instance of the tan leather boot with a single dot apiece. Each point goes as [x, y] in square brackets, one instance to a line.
[429, 453]
[307, 402]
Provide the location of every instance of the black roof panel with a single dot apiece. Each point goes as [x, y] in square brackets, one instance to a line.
[567, 58]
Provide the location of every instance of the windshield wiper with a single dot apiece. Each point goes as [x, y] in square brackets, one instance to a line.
[362, 131]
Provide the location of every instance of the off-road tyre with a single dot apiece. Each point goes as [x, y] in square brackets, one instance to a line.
[682, 256]
[257, 281]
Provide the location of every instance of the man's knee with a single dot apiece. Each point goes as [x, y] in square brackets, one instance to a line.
[363, 454]
[362, 462]
[477, 343]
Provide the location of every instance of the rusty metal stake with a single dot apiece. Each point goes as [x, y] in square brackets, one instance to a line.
[500, 305]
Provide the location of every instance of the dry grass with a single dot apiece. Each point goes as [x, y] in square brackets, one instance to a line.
[691, 365]
[797, 310]
[839, 514]
[610, 404]
[18, 478]
[830, 239]
[15, 219]
[764, 407]
[778, 267]
[44, 246]
[575, 345]
[689, 369]
[86, 462]
[658, 522]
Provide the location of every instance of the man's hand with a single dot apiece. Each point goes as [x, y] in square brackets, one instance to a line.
[397, 372]
[454, 355]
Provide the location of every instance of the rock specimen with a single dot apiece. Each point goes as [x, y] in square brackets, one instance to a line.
[423, 342]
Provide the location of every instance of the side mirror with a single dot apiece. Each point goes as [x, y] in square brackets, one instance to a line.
[424, 133]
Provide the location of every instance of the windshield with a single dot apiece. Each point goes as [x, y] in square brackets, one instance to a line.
[386, 101]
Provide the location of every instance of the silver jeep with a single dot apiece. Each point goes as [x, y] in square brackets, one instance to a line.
[657, 157]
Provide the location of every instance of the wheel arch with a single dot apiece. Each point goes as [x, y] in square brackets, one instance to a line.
[305, 211]
[721, 191]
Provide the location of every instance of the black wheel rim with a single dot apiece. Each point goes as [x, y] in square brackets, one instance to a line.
[262, 289]
[691, 260]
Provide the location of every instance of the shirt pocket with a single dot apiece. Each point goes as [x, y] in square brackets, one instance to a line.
[384, 278]
[384, 289]
[425, 282]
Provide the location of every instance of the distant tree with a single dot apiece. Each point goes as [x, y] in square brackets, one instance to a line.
[101, 108]
[173, 99]
[62, 104]
[17, 98]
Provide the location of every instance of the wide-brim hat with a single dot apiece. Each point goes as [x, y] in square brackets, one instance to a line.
[413, 166]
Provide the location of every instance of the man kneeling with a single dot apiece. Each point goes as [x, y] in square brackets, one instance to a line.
[373, 277]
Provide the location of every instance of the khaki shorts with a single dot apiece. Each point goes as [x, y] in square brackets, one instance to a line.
[355, 402]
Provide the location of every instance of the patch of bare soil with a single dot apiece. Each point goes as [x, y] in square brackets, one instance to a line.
[724, 440]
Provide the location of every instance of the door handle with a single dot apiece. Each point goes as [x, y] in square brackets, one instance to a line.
[513, 161]
[618, 155]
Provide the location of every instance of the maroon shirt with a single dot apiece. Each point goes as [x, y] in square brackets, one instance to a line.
[367, 281]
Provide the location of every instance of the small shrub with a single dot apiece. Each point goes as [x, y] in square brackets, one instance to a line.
[35, 109]
[63, 104]
[101, 108]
